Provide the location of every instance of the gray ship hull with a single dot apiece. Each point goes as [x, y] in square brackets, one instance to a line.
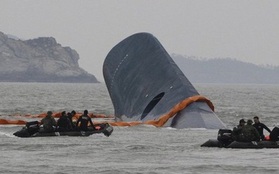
[144, 83]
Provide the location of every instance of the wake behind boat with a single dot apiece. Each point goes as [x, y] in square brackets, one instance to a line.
[32, 129]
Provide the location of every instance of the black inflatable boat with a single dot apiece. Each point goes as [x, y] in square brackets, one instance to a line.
[32, 129]
[243, 145]
[224, 140]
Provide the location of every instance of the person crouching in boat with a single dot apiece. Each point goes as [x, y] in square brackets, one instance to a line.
[84, 120]
[63, 123]
[260, 126]
[249, 133]
[237, 130]
[49, 123]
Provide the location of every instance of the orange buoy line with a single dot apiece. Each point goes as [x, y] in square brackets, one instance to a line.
[17, 122]
[164, 118]
[178, 107]
[158, 123]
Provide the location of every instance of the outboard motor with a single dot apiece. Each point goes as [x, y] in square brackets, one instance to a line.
[107, 130]
[225, 136]
[28, 130]
[32, 127]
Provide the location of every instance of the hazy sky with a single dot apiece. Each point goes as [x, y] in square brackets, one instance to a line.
[240, 29]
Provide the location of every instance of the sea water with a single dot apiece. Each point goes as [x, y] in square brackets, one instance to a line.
[139, 149]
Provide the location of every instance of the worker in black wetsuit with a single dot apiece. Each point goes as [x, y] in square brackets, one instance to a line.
[63, 123]
[274, 134]
[84, 120]
[260, 126]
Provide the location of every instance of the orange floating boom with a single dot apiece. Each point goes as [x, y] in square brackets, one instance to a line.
[158, 123]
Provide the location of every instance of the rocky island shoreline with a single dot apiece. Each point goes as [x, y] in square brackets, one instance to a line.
[40, 60]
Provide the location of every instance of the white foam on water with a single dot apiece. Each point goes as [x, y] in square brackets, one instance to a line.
[6, 134]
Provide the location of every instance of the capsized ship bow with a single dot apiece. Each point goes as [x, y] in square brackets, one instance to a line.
[144, 83]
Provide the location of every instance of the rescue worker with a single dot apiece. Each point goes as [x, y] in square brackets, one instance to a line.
[70, 116]
[63, 123]
[84, 120]
[249, 133]
[260, 126]
[49, 123]
[274, 134]
[237, 130]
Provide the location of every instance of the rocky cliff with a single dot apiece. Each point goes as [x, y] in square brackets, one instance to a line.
[39, 60]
